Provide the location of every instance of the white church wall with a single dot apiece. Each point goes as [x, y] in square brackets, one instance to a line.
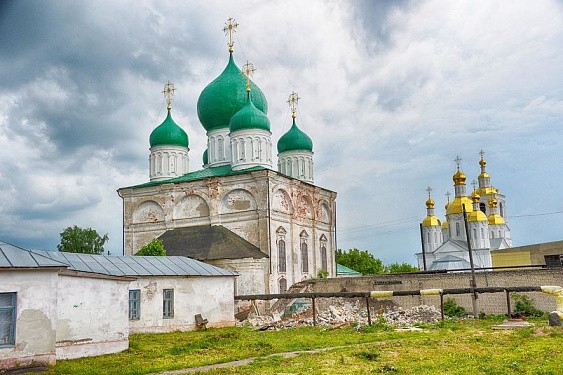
[92, 316]
[36, 317]
[212, 297]
[252, 273]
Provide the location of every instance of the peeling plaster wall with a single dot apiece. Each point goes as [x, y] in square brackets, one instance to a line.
[36, 317]
[252, 274]
[92, 316]
[212, 297]
[253, 205]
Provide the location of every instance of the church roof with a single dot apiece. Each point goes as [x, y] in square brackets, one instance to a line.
[136, 265]
[294, 140]
[224, 170]
[207, 242]
[168, 134]
[345, 271]
[15, 257]
[449, 262]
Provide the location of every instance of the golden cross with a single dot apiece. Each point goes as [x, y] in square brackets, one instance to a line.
[293, 101]
[474, 184]
[168, 93]
[429, 190]
[482, 153]
[231, 28]
[448, 194]
[248, 71]
[458, 162]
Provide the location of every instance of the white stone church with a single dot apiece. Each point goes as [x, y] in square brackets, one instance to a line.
[445, 244]
[273, 227]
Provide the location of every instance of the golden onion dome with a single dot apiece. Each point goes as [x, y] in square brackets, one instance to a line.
[492, 202]
[496, 219]
[456, 206]
[484, 175]
[475, 196]
[482, 162]
[429, 203]
[477, 216]
[431, 221]
[459, 178]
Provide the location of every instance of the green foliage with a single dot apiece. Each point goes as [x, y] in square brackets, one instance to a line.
[525, 305]
[451, 308]
[402, 267]
[79, 240]
[153, 248]
[365, 263]
[322, 274]
[361, 261]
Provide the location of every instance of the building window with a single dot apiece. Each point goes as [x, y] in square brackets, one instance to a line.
[168, 303]
[492, 234]
[457, 231]
[304, 257]
[7, 319]
[134, 304]
[283, 285]
[474, 234]
[281, 256]
[483, 208]
[324, 263]
[482, 234]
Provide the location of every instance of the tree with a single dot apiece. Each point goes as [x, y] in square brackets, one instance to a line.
[79, 240]
[360, 260]
[398, 268]
[154, 248]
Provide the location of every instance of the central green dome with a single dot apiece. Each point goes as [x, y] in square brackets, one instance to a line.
[168, 134]
[249, 117]
[295, 140]
[225, 96]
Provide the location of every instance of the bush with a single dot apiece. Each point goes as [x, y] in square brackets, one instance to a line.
[525, 305]
[153, 248]
[452, 309]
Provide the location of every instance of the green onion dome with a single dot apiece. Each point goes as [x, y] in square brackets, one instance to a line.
[206, 157]
[168, 134]
[249, 117]
[295, 140]
[225, 96]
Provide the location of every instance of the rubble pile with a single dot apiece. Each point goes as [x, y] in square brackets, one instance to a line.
[348, 313]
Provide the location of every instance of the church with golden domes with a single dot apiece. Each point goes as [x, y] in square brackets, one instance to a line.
[273, 227]
[445, 245]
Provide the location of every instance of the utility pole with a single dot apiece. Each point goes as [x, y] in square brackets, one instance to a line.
[423, 248]
[473, 283]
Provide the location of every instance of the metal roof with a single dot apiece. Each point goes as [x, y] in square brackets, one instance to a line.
[15, 257]
[136, 265]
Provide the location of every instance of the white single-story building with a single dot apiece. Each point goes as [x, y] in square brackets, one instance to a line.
[56, 305]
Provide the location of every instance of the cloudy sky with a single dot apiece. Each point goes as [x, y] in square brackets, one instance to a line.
[390, 93]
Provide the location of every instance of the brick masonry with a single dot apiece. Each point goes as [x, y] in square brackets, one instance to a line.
[489, 303]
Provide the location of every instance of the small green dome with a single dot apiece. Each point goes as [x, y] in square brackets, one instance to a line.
[249, 117]
[169, 134]
[225, 96]
[295, 140]
[206, 157]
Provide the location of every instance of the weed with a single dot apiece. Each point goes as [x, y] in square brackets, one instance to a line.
[525, 305]
[451, 308]
[369, 356]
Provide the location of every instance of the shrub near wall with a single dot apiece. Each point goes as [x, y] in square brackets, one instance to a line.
[489, 303]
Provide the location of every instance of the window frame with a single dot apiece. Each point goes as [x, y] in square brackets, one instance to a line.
[12, 320]
[168, 303]
[304, 257]
[282, 256]
[134, 304]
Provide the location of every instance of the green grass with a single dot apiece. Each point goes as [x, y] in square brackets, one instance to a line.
[450, 347]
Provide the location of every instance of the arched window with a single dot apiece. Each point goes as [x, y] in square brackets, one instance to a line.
[492, 234]
[435, 237]
[428, 237]
[474, 234]
[281, 256]
[483, 208]
[501, 209]
[304, 257]
[499, 235]
[482, 234]
[324, 262]
[457, 230]
[220, 148]
[283, 285]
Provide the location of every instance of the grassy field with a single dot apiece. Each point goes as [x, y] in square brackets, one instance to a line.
[450, 347]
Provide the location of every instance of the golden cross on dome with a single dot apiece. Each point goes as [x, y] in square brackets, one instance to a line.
[474, 184]
[168, 93]
[429, 190]
[293, 101]
[458, 162]
[482, 153]
[231, 28]
[248, 71]
[448, 194]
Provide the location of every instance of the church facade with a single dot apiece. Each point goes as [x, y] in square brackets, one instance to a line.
[445, 245]
[274, 228]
